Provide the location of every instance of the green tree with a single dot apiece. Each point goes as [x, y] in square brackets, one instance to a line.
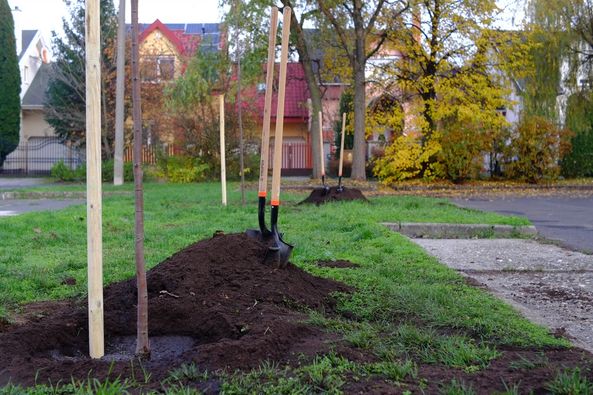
[192, 104]
[10, 85]
[564, 66]
[65, 101]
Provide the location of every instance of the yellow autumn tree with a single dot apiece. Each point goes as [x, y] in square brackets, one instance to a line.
[456, 72]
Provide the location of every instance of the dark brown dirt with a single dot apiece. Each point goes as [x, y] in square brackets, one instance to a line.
[319, 195]
[213, 303]
[337, 264]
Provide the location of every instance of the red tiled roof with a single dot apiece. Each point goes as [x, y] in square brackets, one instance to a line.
[166, 32]
[297, 93]
[186, 43]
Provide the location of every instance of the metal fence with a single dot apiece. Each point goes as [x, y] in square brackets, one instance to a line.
[296, 158]
[37, 155]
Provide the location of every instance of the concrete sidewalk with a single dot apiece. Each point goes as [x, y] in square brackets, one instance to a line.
[549, 285]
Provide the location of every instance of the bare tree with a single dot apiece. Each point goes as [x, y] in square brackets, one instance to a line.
[142, 344]
[354, 21]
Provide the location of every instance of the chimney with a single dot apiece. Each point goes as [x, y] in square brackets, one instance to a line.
[18, 31]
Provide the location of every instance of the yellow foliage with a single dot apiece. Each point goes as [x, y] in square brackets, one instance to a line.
[408, 158]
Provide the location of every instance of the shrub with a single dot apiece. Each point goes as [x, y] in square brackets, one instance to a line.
[579, 119]
[181, 169]
[233, 172]
[107, 171]
[64, 173]
[579, 162]
[407, 157]
[461, 154]
[536, 150]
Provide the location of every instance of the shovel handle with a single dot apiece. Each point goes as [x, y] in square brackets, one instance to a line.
[342, 145]
[265, 135]
[322, 163]
[276, 172]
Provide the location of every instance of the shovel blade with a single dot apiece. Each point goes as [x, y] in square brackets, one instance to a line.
[278, 253]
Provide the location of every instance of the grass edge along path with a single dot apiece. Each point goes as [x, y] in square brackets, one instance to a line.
[407, 307]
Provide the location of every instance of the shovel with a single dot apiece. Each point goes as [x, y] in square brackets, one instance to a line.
[325, 189]
[279, 252]
[263, 231]
[340, 187]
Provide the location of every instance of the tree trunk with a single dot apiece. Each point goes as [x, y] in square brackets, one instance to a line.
[312, 84]
[359, 149]
[142, 344]
[118, 159]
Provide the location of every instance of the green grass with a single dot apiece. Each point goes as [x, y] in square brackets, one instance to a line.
[408, 309]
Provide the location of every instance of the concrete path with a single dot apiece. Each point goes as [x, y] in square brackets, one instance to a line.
[15, 207]
[568, 220]
[550, 285]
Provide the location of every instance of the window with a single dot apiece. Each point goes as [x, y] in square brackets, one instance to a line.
[158, 68]
[166, 68]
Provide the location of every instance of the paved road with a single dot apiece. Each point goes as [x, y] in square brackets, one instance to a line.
[15, 207]
[24, 182]
[568, 220]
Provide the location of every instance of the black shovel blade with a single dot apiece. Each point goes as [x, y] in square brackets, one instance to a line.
[279, 251]
[324, 188]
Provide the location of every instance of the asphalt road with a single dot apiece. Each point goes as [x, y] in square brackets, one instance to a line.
[567, 220]
[16, 207]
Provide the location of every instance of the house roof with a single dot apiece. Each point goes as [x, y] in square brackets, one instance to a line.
[186, 37]
[297, 93]
[27, 37]
[35, 96]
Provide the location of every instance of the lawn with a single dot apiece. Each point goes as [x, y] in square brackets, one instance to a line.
[408, 311]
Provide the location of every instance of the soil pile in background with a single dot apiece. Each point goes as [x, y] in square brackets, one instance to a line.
[214, 303]
[320, 195]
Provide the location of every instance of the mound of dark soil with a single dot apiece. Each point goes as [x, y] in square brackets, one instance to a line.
[320, 195]
[214, 303]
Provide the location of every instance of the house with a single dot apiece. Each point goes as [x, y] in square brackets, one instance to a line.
[39, 148]
[165, 50]
[165, 47]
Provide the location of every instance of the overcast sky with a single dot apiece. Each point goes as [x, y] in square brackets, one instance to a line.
[46, 15]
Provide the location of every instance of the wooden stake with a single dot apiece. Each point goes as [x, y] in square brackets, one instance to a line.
[277, 169]
[93, 183]
[342, 145]
[222, 152]
[321, 144]
[118, 154]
